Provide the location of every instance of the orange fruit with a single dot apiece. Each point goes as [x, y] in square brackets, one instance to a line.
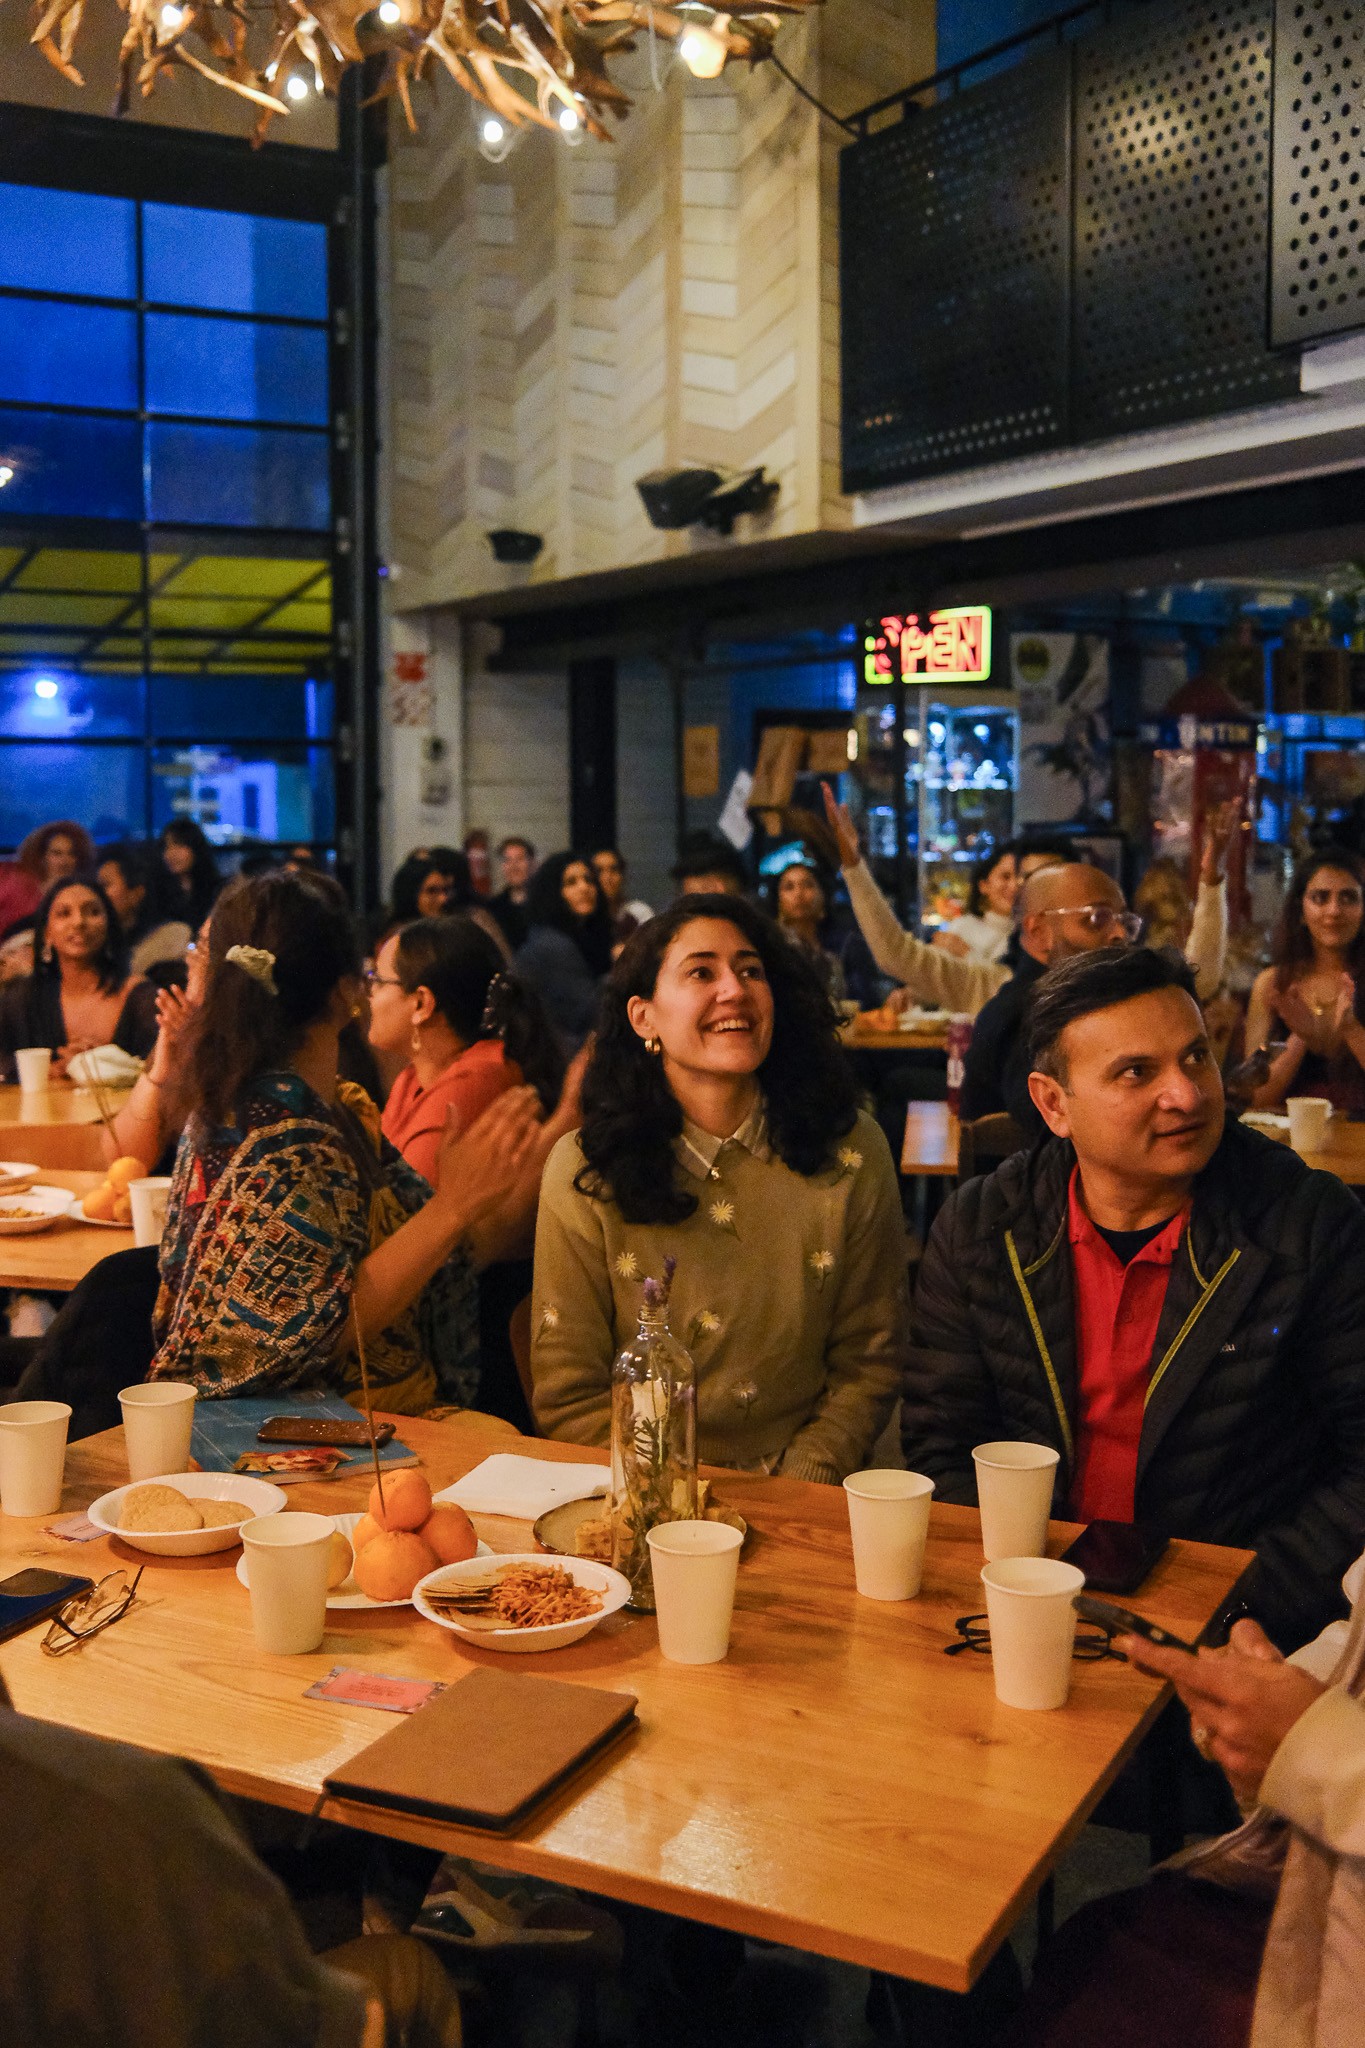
[126, 1169]
[407, 1501]
[100, 1201]
[123, 1208]
[449, 1532]
[339, 1562]
[391, 1564]
[364, 1530]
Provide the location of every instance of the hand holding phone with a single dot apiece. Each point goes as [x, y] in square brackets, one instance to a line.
[1121, 1621]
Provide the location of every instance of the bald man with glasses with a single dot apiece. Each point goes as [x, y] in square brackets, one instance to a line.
[1062, 910]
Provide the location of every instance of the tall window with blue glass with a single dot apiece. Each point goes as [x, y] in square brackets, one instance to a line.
[165, 462]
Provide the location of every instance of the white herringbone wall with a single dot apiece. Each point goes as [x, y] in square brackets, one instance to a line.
[563, 322]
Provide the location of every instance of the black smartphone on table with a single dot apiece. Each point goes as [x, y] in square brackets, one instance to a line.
[1115, 1556]
[1119, 1621]
[33, 1595]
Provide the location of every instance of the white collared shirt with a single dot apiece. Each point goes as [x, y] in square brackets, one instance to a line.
[698, 1150]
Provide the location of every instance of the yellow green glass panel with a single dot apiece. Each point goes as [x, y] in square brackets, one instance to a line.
[24, 645]
[225, 614]
[300, 617]
[23, 608]
[246, 576]
[82, 569]
[8, 558]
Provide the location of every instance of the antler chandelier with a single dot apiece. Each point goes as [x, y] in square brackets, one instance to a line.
[525, 60]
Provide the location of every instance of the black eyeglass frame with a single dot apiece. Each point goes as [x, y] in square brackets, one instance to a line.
[54, 1646]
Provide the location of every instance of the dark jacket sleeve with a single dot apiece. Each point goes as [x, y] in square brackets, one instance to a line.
[1294, 1587]
[949, 1403]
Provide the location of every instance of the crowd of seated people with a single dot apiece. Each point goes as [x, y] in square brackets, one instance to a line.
[1165, 1296]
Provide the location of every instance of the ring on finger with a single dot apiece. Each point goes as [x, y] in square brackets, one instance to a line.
[1202, 1738]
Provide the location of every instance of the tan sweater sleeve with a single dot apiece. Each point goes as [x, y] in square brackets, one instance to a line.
[869, 1332]
[930, 974]
[1317, 1775]
[573, 1337]
[1206, 949]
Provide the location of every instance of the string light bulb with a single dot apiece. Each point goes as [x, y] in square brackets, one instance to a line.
[492, 132]
[171, 17]
[6, 474]
[296, 86]
[568, 119]
[703, 51]
[390, 13]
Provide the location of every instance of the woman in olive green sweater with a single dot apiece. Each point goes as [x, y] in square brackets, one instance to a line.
[721, 1125]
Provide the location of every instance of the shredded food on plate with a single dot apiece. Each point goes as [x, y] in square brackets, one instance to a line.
[519, 1596]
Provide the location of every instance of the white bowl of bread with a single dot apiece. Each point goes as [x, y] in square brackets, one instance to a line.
[185, 1514]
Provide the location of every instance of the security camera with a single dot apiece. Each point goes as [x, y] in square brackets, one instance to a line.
[510, 545]
[704, 497]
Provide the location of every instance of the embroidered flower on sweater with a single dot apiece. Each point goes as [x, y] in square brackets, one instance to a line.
[627, 1265]
[822, 1265]
[723, 1216]
[705, 1323]
[849, 1158]
[549, 1317]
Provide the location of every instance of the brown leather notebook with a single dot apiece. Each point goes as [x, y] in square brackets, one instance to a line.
[488, 1750]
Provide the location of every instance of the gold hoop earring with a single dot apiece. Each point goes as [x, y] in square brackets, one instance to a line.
[416, 1040]
[654, 1045]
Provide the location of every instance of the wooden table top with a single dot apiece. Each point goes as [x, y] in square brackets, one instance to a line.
[925, 1038]
[837, 1784]
[1342, 1151]
[930, 1143]
[52, 1261]
[62, 1102]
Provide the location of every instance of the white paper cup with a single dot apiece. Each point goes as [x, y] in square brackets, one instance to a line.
[32, 1456]
[287, 1563]
[1308, 1116]
[888, 1513]
[34, 1063]
[158, 1417]
[149, 1198]
[1033, 1628]
[1014, 1485]
[695, 1564]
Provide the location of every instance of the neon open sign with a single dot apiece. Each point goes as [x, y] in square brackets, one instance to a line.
[948, 646]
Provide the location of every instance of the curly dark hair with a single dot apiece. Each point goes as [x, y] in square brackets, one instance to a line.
[632, 1118]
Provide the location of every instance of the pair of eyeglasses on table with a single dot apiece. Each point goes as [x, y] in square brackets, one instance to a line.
[104, 1603]
[1091, 1645]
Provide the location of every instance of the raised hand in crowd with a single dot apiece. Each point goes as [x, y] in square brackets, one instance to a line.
[1320, 1029]
[842, 826]
[1219, 825]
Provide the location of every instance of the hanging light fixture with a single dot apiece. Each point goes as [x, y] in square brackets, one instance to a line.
[703, 47]
[522, 61]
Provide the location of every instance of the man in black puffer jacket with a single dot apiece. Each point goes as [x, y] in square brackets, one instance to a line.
[1178, 1305]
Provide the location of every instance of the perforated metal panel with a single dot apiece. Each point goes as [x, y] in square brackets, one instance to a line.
[1317, 279]
[954, 238]
[1172, 168]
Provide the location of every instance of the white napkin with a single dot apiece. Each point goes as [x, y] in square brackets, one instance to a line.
[1265, 1120]
[107, 1066]
[523, 1487]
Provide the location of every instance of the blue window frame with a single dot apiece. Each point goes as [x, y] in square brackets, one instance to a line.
[164, 368]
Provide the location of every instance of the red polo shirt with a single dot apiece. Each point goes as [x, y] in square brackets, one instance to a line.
[1117, 1311]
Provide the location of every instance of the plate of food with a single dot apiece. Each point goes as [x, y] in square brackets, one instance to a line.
[584, 1528]
[521, 1602]
[16, 1174]
[185, 1514]
[343, 1588]
[34, 1208]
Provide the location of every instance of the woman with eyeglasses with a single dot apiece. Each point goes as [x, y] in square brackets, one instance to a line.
[438, 995]
[1306, 1008]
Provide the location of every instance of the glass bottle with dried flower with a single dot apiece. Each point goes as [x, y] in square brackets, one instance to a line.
[653, 1438]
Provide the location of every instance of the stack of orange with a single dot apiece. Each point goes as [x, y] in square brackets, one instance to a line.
[399, 1542]
[110, 1202]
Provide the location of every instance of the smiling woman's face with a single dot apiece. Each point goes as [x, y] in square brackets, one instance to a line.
[712, 1006]
[76, 924]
